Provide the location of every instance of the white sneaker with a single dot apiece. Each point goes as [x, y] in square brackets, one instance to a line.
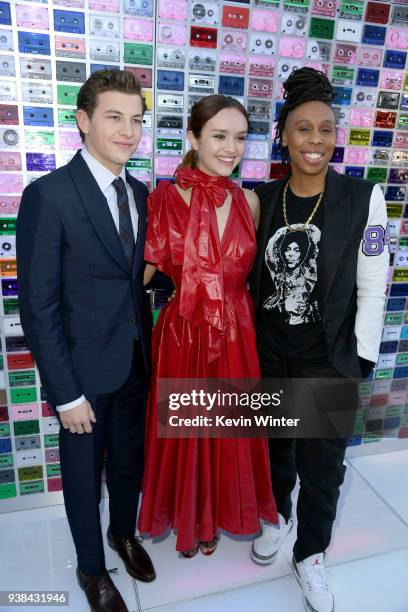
[311, 575]
[266, 546]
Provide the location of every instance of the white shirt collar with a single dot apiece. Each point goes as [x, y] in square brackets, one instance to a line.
[102, 175]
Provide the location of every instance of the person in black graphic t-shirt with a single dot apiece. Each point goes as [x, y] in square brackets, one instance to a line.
[318, 284]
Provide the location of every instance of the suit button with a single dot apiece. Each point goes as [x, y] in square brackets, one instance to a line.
[131, 322]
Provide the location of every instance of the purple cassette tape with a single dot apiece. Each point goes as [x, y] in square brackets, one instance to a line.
[370, 57]
[362, 117]
[11, 183]
[138, 29]
[356, 155]
[10, 160]
[69, 141]
[40, 162]
[33, 18]
[173, 9]
[108, 6]
[166, 166]
[9, 286]
[9, 205]
[397, 38]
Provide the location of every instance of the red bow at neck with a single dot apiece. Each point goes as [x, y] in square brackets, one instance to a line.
[202, 287]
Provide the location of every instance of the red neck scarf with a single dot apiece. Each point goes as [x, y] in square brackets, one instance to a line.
[202, 289]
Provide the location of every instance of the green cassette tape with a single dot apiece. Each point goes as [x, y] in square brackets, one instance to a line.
[321, 28]
[395, 411]
[8, 490]
[394, 318]
[342, 75]
[7, 226]
[36, 140]
[268, 3]
[296, 5]
[23, 396]
[359, 427]
[402, 359]
[365, 388]
[351, 10]
[51, 440]
[26, 428]
[66, 117]
[138, 54]
[359, 138]
[169, 145]
[67, 94]
[404, 421]
[4, 430]
[1, 363]
[6, 461]
[377, 175]
[400, 275]
[34, 472]
[375, 436]
[403, 242]
[403, 121]
[405, 87]
[394, 211]
[53, 470]
[10, 306]
[140, 164]
[22, 379]
[31, 487]
[384, 374]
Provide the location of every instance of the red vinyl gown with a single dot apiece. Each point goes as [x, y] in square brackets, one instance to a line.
[199, 485]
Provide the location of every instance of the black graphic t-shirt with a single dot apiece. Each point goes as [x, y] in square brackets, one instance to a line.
[290, 320]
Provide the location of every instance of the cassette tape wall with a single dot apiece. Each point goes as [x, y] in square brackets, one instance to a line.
[182, 51]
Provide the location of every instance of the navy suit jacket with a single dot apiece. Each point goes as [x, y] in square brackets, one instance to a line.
[79, 300]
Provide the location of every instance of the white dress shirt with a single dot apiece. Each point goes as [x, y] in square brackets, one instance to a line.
[104, 178]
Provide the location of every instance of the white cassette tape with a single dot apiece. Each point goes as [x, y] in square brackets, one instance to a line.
[256, 149]
[37, 92]
[349, 30]
[292, 23]
[169, 57]
[9, 138]
[8, 91]
[28, 458]
[201, 83]
[7, 246]
[6, 40]
[286, 66]
[103, 51]
[12, 326]
[171, 34]
[263, 42]
[170, 103]
[205, 12]
[7, 66]
[106, 26]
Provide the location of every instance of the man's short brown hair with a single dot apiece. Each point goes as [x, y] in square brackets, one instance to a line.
[106, 80]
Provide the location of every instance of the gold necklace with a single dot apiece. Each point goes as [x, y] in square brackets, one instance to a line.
[303, 227]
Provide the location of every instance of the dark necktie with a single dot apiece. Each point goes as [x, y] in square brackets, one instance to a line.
[126, 234]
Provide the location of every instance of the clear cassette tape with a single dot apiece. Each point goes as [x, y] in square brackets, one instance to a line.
[171, 34]
[202, 59]
[6, 40]
[35, 68]
[318, 50]
[259, 110]
[143, 8]
[286, 67]
[8, 91]
[173, 9]
[169, 57]
[103, 51]
[364, 96]
[201, 83]
[104, 26]
[7, 66]
[292, 23]
[263, 43]
[37, 92]
[205, 12]
[256, 149]
[234, 40]
[170, 103]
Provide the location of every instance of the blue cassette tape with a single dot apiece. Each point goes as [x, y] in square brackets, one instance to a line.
[278, 107]
[368, 77]
[96, 67]
[170, 80]
[342, 95]
[404, 101]
[396, 304]
[395, 194]
[69, 21]
[381, 138]
[38, 116]
[395, 59]
[231, 85]
[38, 44]
[356, 171]
[399, 290]
[388, 347]
[5, 446]
[374, 35]
[5, 14]
[401, 372]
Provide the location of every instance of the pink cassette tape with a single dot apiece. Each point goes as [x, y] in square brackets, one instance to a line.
[392, 79]
[345, 53]
[279, 90]
[69, 47]
[232, 63]
[173, 9]
[24, 411]
[9, 205]
[261, 65]
[251, 169]
[397, 38]
[47, 410]
[370, 57]
[70, 3]
[34, 18]
[338, 168]
[292, 46]
[233, 40]
[362, 117]
[145, 146]
[171, 34]
[327, 8]
[137, 29]
[52, 455]
[256, 149]
[317, 66]
[401, 140]
[263, 20]
[166, 166]
[108, 6]
[10, 161]
[341, 136]
[356, 155]
[11, 183]
[70, 140]
[54, 484]
[260, 88]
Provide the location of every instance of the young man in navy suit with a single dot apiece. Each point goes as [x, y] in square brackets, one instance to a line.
[80, 243]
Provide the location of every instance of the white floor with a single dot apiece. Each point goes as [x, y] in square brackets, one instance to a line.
[368, 558]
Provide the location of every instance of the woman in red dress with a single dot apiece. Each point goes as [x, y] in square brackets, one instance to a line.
[201, 233]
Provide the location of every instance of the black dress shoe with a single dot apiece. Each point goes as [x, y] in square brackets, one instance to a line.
[137, 562]
[101, 593]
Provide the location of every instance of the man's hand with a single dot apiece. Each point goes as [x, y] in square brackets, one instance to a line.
[78, 419]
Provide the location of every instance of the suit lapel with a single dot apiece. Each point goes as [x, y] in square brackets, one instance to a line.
[336, 219]
[98, 210]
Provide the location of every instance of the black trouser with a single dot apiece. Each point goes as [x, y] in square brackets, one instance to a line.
[119, 429]
[318, 462]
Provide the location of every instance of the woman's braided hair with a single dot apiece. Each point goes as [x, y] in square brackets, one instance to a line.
[303, 85]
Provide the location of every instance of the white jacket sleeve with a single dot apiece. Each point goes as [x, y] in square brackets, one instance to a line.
[372, 268]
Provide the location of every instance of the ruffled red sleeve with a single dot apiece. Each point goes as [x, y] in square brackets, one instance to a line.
[157, 248]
